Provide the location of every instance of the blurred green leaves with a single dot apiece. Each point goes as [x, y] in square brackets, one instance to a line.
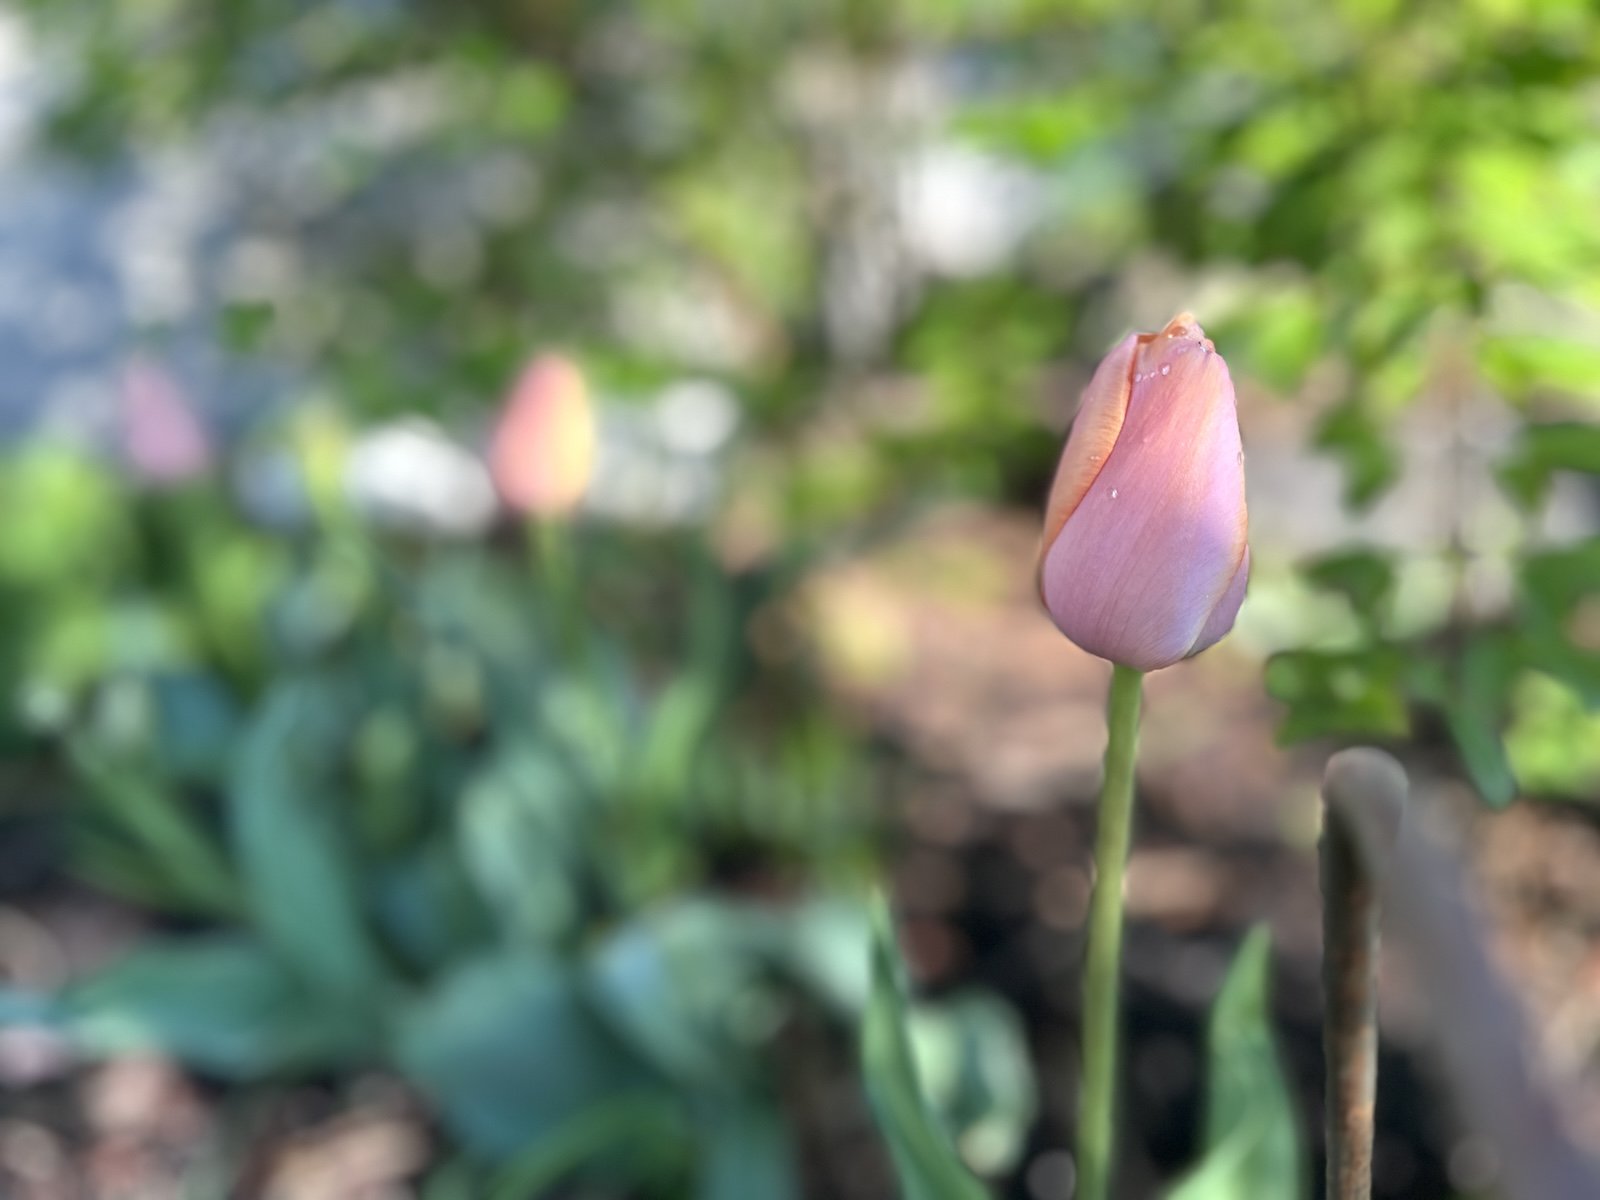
[224, 1004]
[689, 984]
[1251, 1138]
[510, 1051]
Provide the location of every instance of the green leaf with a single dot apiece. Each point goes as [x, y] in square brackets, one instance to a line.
[925, 1161]
[1278, 341]
[1363, 577]
[510, 1051]
[646, 1127]
[828, 950]
[747, 1152]
[426, 909]
[196, 722]
[1553, 586]
[687, 985]
[1522, 364]
[299, 877]
[246, 325]
[77, 533]
[1554, 739]
[972, 1058]
[221, 1004]
[521, 831]
[1544, 450]
[1349, 693]
[192, 872]
[1475, 711]
[1252, 1144]
[1554, 582]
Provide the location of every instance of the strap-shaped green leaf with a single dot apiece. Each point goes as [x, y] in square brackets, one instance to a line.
[1252, 1143]
[925, 1162]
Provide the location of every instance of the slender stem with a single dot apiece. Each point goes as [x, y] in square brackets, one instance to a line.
[555, 559]
[1096, 1116]
[1350, 1010]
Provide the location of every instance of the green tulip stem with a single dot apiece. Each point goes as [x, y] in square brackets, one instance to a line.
[1097, 1111]
[556, 563]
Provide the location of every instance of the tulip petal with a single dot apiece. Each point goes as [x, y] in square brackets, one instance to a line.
[1144, 560]
[543, 451]
[1222, 617]
[1094, 432]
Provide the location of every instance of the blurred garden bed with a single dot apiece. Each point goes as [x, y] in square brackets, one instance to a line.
[988, 732]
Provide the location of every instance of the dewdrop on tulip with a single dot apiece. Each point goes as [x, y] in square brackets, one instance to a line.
[543, 451]
[1144, 559]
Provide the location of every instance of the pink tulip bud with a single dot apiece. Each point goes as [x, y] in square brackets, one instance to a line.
[543, 451]
[1144, 559]
[162, 439]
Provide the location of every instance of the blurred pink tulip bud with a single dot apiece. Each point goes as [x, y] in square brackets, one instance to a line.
[543, 451]
[162, 438]
[1144, 558]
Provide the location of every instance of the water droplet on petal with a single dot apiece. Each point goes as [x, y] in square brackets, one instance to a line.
[1113, 493]
[1166, 370]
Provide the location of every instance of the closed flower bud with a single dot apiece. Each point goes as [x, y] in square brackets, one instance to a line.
[1144, 558]
[163, 440]
[543, 450]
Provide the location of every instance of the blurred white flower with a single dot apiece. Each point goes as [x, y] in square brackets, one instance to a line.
[411, 475]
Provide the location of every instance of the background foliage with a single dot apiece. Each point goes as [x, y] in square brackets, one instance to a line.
[418, 799]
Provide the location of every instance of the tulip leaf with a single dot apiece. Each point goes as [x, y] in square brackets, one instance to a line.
[1252, 1144]
[925, 1161]
[972, 1061]
[222, 1004]
[297, 868]
[685, 984]
[646, 1127]
[511, 1052]
[748, 1152]
[520, 826]
[156, 822]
